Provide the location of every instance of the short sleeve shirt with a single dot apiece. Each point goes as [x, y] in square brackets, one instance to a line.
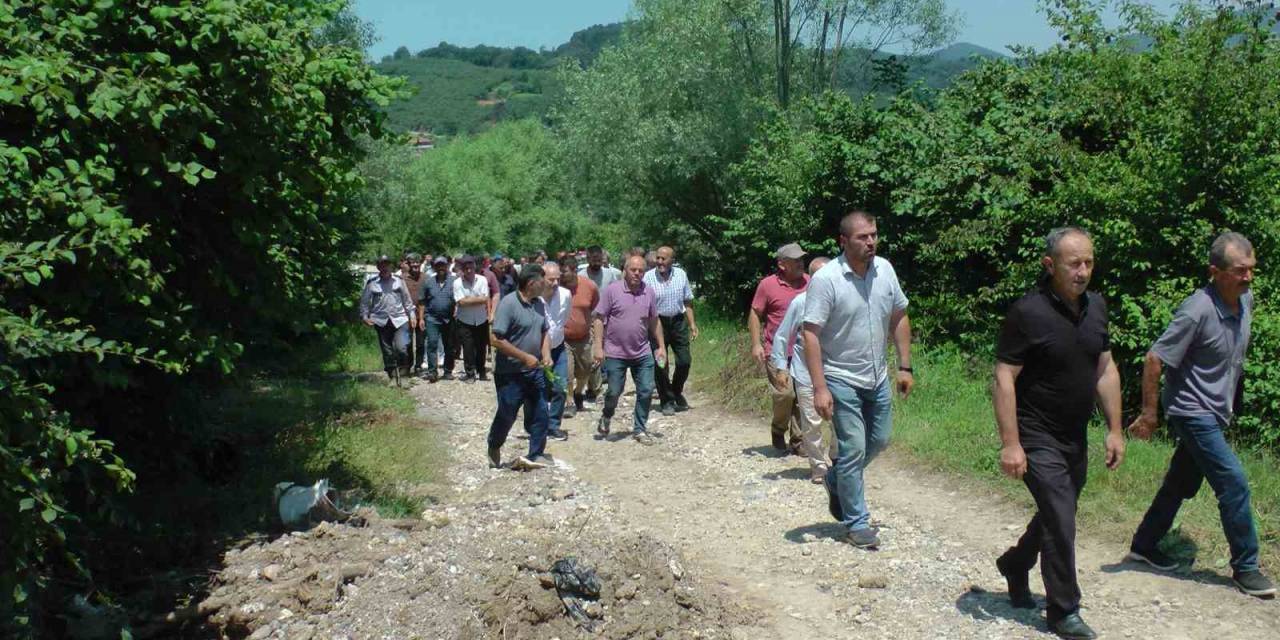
[773, 298]
[1204, 348]
[437, 299]
[522, 323]
[603, 278]
[1058, 351]
[585, 298]
[626, 314]
[787, 353]
[671, 292]
[853, 313]
[474, 314]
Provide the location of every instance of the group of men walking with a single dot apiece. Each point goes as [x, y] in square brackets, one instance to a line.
[823, 341]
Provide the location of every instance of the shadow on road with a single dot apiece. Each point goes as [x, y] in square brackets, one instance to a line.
[794, 473]
[831, 530]
[765, 450]
[986, 606]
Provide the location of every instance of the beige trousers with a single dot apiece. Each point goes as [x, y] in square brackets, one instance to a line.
[785, 420]
[814, 431]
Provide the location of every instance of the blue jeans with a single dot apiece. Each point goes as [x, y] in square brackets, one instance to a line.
[527, 389]
[556, 392]
[862, 421]
[615, 373]
[1203, 454]
[440, 336]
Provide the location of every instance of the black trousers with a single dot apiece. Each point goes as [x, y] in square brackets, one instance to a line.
[393, 342]
[417, 345]
[1056, 473]
[671, 378]
[475, 344]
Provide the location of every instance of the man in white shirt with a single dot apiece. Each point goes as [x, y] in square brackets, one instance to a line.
[471, 293]
[556, 305]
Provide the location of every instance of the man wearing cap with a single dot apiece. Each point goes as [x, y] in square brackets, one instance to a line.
[625, 318]
[674, 300]
[438, 306]
[471, 294]
[385, 305]
[413, 277]
[768, 307]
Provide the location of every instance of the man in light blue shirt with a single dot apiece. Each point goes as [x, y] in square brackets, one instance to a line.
[853, 305]
[787, 355]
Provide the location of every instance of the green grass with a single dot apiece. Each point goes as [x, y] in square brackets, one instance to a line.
[948, 425]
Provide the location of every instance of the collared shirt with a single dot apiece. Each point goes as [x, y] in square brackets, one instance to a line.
[1058, 350]
[437, 299]
[386, 300]
[585, 298]
[522, 323]
[557, 310]
[1204, 348]
[773, 299]
[853, 313]
[787, 353]
[414, 285]
[492, 281]
[671, 292]
[626, 314]
[472, 314]
[602, 278]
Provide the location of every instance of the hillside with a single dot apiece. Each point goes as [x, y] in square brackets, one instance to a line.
[468, 89]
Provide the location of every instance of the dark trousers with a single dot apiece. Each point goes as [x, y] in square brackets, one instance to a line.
[1056, 473]
[475, 341]
[671, 378]
[441, 334]
[524, 389]
[394, 343]
[419, 341]
[1203, 454]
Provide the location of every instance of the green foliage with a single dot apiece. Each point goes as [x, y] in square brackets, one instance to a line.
[497, 191]
[1153, 151]
[167, 166]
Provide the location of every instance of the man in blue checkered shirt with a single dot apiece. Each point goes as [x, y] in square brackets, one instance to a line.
[675, 311]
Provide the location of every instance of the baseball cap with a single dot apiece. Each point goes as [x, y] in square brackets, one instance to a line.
[440, 260]
[791, 251]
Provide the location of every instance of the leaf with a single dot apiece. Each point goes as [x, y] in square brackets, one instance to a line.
[32, 277]
[49, 515]
[26, 504]
[19, 594]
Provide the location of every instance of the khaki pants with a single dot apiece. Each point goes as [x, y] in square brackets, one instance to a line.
[785, 419]
[580, 364]
[814, 431]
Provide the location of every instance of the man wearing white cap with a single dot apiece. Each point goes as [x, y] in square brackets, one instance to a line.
[773, 296]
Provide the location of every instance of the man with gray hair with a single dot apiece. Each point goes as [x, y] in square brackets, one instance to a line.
[1053, 364]
[787, 356]
[1204, 348]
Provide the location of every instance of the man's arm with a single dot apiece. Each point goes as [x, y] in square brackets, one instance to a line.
[688, 314]
[822, 402]
[786, 332]
[407, 301]
[1108, 391]
[1013, 460]
[597, 339]
[1147, 421]
[655, 330]
[366, 299]
[753, 327]
[901, 327]
[546, 349]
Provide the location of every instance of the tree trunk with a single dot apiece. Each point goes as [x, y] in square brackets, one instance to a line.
[835, 51]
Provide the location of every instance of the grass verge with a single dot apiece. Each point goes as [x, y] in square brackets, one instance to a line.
[948, 425]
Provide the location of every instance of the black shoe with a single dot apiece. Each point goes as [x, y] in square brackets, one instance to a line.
[467, 378]
[668, 409]
[602, 426]
[578, 399]
[484, 377]
[1019, 586]
[1153, 557]
[448, 375]
[569, 412]
[779, 441]
[833, 500]
[1254, 584]
[681, 403]
[1073, 628]
[558, 434]
[590, 397]
[495, 457]
[863, 539]
[433, 377]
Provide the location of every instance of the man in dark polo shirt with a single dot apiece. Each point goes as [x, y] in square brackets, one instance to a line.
[520, 337]
[1204, 348]
[1053, 363]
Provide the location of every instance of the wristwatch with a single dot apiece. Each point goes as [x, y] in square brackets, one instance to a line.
[907, 369]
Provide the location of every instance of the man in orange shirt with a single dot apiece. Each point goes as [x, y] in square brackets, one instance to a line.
[577, 330]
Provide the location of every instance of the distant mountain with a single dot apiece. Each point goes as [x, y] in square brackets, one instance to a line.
[468, 89]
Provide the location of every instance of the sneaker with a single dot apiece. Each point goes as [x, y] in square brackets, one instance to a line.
[1072, 627]
[558, 434]
[668, 409]
[1254, 584]
[644, 438]
[863, 539]
[524, 464]
[833, 501]
[569, 412]
[602, 426]
[495, 457]
[681, 403]
[1153, 557]
[1019, 585]
[779, 441]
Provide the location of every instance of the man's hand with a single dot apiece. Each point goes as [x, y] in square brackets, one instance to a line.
[693, 331]
[757, 352]
[906, 382]
[547, 362]
[368, 321]
[823, 403]
[1115, 449]
[529, 361]
[1144, 425]
[660, 358]
[597, 356]
[422, 323]
[1013, 461]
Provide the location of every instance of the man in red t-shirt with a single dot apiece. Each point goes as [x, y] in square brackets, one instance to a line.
[773, 296]
[577, 332]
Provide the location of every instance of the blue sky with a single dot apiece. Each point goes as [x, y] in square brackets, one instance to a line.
[418, 24]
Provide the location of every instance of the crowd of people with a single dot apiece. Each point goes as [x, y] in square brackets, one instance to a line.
[566, 329]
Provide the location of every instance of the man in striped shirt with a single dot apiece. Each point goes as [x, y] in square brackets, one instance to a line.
[674, 297]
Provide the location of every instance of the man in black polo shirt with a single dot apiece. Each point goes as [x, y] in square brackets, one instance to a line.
[1053, 362]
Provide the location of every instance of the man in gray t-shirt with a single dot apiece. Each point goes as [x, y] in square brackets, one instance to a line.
[1204, 348]
[520, 337]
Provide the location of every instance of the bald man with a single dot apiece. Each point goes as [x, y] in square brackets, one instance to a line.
[674, 301]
